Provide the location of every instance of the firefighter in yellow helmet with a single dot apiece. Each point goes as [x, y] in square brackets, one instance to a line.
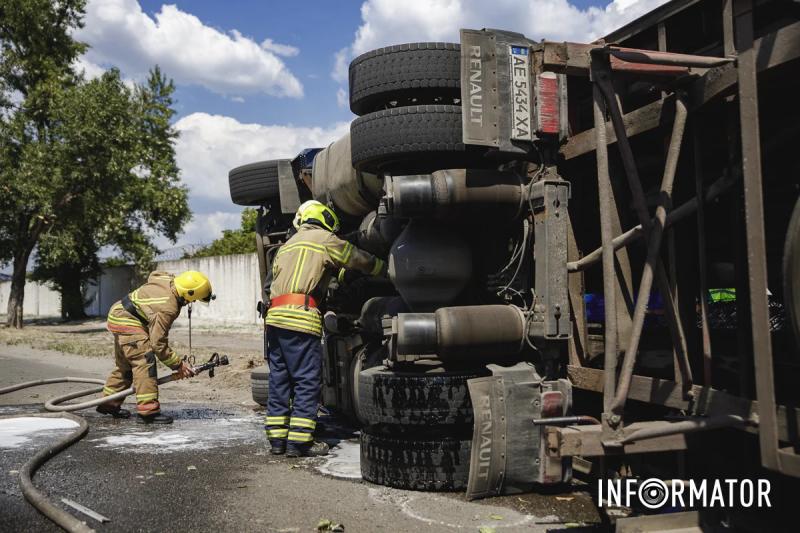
[140, 323]
[300, 274]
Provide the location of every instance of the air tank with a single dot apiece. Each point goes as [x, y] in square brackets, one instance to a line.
[429, 265]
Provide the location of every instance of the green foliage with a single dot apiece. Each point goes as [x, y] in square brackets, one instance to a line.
[233, 241]
[83, 164]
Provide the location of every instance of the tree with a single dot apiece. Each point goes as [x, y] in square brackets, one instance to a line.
[84, 164]
[36, 54]
[233, 241]
[135, 190]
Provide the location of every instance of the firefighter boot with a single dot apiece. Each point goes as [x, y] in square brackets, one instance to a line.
[277, 446]
[157, 418]
[315, 449]
[115, 411]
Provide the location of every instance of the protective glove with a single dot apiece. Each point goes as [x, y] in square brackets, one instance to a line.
[184, 371]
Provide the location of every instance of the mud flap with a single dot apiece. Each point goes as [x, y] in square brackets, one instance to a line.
[509, 453]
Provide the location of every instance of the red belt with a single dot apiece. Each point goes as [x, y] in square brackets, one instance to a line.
[293, 299]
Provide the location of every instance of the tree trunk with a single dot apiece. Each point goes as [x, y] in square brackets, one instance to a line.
[71, 297]
[17, 295]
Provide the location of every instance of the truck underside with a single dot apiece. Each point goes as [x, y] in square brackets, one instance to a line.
[617, 300]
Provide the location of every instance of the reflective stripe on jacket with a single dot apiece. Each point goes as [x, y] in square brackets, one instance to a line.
[305, 264]
[156, 302]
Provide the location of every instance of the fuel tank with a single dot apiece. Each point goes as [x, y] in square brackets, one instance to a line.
[334, 180]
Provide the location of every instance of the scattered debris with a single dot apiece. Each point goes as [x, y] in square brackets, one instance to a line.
[191, 467]
[159, 473]
[328, 525]
[565, 498]
[85, 510]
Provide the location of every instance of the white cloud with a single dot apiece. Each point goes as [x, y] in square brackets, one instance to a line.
[387, 22]
[121, 34]
[204, 228]
[280, 49]
[210, 145]
[341, 98]
[90, 70]
[341, 61]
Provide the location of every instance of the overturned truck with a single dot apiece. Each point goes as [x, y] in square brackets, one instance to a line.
[593, 249]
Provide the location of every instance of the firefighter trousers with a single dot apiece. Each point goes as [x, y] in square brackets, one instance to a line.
[136, 364]
[295, 369]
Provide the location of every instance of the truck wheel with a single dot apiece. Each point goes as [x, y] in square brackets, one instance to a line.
[254, 183]
[416, 463]
[259, 385]
[422, 72]
[791, 272]
[431, 397]
[413, 140]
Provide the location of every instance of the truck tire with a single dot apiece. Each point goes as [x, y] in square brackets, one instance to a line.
[413, 140]
[259, 385]
[791, 272]
[254, 183]
[434, 397]
[416, 463]
[426, 72]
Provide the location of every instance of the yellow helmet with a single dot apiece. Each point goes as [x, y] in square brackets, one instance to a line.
[320, 214]
[303, 206]
[193, 286]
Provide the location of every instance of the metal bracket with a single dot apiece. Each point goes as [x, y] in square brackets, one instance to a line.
[550, 321]
[287, 187]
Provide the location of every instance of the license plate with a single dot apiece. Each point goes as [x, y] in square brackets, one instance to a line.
[520, 93]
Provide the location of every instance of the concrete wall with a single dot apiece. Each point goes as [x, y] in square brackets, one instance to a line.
[40, 300]
[235, 281]
[234, 278]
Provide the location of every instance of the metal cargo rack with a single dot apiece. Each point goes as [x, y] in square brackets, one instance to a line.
[700, 98]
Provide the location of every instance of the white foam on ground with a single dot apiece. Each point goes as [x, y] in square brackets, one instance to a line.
[16, 432]
[343, 461]
[197, 434]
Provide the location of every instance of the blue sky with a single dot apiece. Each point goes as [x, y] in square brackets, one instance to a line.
[294, 23]
[263, 79]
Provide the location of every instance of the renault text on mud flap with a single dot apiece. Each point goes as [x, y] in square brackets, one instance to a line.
[479, 88]
[475, 85]
[484, 421]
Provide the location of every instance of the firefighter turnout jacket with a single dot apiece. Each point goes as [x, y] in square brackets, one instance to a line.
[305, 265]
[149, 312]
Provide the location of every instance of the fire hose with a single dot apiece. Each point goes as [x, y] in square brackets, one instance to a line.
[36, 498]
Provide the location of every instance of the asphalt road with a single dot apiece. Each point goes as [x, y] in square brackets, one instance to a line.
[211, 471]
